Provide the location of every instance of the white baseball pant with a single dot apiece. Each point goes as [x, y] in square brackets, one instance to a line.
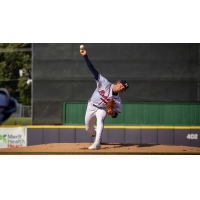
[92, 114]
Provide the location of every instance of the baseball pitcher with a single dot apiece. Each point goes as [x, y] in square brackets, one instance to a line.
[104, 101]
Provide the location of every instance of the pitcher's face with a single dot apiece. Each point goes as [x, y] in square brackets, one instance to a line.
[120, 88]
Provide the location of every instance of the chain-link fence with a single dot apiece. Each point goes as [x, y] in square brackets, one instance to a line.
[22, 111]
[26, 111]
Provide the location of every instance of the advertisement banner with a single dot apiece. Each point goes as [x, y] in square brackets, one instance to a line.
[13, 137]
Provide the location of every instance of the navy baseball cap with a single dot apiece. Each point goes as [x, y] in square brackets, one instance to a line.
[125, 84]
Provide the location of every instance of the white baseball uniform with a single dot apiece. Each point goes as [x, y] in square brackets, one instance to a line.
[96, 108]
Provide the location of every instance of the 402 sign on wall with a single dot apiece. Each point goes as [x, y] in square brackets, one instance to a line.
[192, 136]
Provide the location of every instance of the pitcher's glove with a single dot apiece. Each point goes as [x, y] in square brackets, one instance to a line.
[110, 105]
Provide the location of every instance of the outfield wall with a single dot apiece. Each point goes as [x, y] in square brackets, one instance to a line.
[140, 114]
[171, 135]
[18, 136]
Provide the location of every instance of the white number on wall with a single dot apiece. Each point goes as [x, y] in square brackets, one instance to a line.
[192, 136]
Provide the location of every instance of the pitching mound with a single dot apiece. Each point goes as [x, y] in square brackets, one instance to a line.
[106, 148]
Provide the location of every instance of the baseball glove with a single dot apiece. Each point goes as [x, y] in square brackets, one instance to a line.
[110, 105]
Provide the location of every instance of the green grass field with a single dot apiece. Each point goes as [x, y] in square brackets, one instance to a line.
[18, 121]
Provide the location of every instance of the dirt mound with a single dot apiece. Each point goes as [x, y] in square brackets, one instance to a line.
[105, 147]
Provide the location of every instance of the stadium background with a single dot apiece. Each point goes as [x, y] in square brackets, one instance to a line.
[161, 106]
[163, 79]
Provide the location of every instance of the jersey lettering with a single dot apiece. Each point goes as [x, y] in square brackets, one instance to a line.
[103, 92]
[104, 99]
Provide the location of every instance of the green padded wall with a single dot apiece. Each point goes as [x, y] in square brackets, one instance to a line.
[140, 113]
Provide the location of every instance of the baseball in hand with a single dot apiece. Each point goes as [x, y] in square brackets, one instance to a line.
[82, 47]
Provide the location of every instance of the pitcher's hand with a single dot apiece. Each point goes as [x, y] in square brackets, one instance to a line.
[83, 52]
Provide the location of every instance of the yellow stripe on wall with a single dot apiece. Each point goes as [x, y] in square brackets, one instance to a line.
[125, 127]
[8, 126]
[165, 127]
[182, 127]
[43, 126]
[55, 126]
[195, 127]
